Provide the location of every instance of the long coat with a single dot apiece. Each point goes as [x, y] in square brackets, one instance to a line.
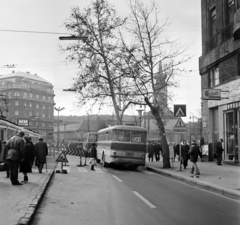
[194, 152]
[185, 150]
[41, 151]
[150, 150]
[94, 152]
[15, 147]
[28, 157]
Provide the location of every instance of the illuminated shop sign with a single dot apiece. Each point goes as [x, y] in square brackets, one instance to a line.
[23, 122]
[233, 105]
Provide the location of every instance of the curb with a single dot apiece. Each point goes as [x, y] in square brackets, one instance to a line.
[32, 208]
[206, 185]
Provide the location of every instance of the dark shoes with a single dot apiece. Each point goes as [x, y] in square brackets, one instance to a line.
[18, 183]
[40, 171]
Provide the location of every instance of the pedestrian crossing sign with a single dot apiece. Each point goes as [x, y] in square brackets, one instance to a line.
[62, 158]
[180, 123]
[62, 147]
[180, 110]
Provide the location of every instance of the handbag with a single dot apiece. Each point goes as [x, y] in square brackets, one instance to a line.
[3, 167]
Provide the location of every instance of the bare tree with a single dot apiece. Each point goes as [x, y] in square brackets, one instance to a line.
[101, 77]
[154, 63]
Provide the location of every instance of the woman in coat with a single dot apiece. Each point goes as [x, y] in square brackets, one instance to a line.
[28, 157]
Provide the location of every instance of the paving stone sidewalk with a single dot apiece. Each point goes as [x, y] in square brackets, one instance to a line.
[18, 203]
[224, 179]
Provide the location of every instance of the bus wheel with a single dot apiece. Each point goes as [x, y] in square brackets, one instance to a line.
[103, 160]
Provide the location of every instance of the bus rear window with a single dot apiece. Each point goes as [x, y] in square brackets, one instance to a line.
[124, 135]
[138, 137]
[92, 138]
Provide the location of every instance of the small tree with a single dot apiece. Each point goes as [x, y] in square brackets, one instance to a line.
[153, 63]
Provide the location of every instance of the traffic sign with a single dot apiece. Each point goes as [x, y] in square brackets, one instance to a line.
[211, 94]
[180, 110]
[180, 130]
[62, 158]
[62, 147]
[180, 123]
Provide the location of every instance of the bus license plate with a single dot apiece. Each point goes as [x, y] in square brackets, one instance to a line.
[130, 154]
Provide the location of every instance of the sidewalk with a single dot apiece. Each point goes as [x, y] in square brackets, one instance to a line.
[223, 179]
[18, 203]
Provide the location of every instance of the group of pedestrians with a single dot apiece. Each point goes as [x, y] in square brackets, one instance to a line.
[19, 155]
[154, 149]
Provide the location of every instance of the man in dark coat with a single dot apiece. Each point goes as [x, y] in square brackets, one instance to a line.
[15, 147]
[41, 152]
[28, 157]
[5, 153]
[93, 155]
[150, 151]
[219, 151]
[184, 154]
[194, 153]
[157, 149]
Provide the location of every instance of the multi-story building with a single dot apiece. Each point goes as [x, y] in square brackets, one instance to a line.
[220, 74]
[29, 97]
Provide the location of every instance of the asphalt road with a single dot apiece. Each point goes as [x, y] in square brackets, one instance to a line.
[118, 196]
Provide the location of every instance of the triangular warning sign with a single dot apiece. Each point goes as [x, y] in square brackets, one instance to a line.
[180, 112]
[180, 123]
[62, 158]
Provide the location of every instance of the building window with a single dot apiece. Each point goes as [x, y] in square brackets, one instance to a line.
[30, 95]
[43, 115]
[49, 99]
[43, 97]
[30, 113]
[43, 106]
[25, 95]
[16, 93]
[37, 113]
[30, 104]
[212, 22]
[16, 103]
[229, 11]
[16, 112]
[37, 106]
[214, 77]
[37, 96]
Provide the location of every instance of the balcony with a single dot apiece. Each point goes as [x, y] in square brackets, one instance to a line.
[223, 35]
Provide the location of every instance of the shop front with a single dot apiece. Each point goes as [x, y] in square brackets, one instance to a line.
[232, 131]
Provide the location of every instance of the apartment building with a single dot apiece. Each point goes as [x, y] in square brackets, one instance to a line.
[219, 67]
[30, 98]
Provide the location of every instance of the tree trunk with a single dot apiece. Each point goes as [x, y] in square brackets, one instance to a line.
[161, 128]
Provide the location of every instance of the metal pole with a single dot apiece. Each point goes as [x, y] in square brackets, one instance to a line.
[180, 155]
[58, 134]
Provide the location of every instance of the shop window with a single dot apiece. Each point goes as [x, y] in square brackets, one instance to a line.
[214, 77]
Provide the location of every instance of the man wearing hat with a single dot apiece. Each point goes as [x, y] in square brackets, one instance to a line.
[41, 152]
[15, 146]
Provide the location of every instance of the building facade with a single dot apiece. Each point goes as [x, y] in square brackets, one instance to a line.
[29, 98]
[219, 68]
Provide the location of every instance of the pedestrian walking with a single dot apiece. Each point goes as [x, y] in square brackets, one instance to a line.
[6, 164]
[15, 147]
[41, 152]
[150, 152]
[32, 149]
[28, 157]
[194, 152]
[156, 148]
[93, 155]
[185, 154]
[171, 153]
[219, 151]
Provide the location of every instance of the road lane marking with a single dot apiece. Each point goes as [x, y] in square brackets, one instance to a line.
[98, 170]
[82, 170]
[117, 178]
[145, 200]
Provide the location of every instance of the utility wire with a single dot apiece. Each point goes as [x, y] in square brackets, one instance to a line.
[34, 32]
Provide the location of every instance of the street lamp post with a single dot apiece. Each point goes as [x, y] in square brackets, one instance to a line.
[58, 110]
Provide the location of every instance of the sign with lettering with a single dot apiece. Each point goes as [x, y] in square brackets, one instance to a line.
[180, 130]
[211, 94]
[23, 122]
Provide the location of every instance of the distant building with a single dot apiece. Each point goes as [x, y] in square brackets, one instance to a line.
[219, 67]
[29, 97]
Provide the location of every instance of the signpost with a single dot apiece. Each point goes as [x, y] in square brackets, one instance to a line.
[211, 94]
[180, 127]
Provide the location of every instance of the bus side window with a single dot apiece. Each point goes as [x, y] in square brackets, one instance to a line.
[114, 135]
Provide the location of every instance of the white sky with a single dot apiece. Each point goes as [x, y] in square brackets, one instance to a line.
[39, 53]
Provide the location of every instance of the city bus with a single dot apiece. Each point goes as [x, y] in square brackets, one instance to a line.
[122, 144]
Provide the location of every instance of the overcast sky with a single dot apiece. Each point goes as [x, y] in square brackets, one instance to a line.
[38, 53]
